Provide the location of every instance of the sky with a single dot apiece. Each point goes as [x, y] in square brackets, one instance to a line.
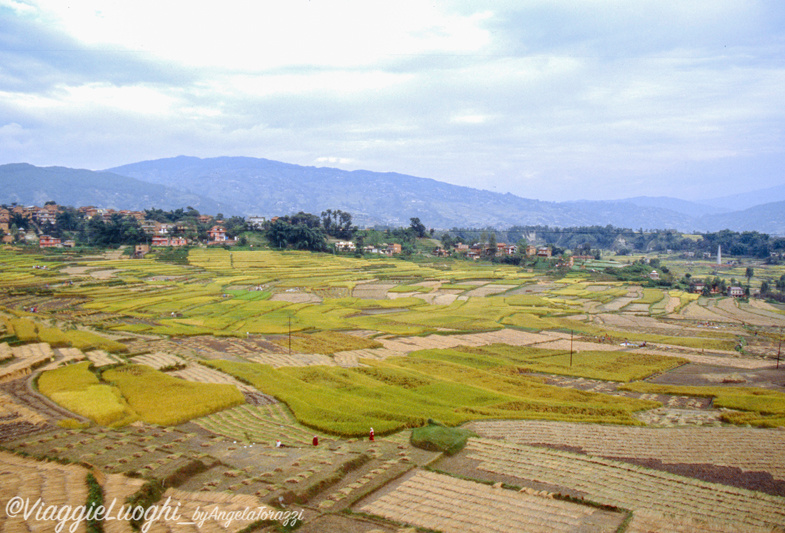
[546, 99]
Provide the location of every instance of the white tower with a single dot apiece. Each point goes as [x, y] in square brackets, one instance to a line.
[719, 254]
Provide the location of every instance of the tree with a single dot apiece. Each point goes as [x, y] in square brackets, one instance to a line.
[748, 274]
[417, 227]
[278, 233]
[447, 241]
[491, 250]
[764, 288]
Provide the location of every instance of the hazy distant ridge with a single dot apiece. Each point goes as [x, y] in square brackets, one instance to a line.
[251, 186]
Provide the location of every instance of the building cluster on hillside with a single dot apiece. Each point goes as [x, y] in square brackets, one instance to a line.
[33, 223]
[480, 250]
[383, 249]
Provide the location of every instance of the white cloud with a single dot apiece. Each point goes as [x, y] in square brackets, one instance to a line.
[582, 98]
[251, 36]
[335, 160]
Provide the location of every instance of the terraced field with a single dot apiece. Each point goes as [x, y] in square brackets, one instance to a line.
[262, 424]
[387, 343]
[749, 450]
[443, 503]
[672, 498]
[53, 483]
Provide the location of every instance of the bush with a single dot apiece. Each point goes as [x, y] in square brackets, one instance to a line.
[439, 438]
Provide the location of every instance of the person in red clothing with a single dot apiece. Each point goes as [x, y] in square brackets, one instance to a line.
[371, 434]
[315, 440]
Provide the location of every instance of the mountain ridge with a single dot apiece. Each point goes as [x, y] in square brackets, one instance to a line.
[256, 186]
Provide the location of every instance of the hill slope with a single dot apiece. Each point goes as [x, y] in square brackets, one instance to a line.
[249, 186]
[264, 187]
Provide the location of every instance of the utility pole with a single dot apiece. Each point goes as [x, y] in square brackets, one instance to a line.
[779, 348]
[290, 334]
[570, 348]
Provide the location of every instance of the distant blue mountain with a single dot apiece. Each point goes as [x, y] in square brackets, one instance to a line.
[684, 207]
[249, 186]
[264, 187]
[746, 200]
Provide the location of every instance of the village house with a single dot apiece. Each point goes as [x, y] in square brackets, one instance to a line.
[476, 250]
[256, 222]
[461, 248]
[45, 216]
[138, 215]
[566, 262]
[217, 234]
[698, 287]
[45, 241]
[506, 249]
[89, 211]
[164, 229]
[140, 250]
[345, 246]
[393, 249]
[531, 250]
[654, 275]
[106, 215]
[160, 240]
[735, 292]
[149, 226]
[544, 251]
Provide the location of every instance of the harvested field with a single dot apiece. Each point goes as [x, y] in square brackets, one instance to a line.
[489, 290]
[296, 297]
[679, 417]
[258, 424]
[5, 352]
[205, 502]
[117, 487]
[26, 358]
[735, 310]
[443, 503]
[277, 360]
[101, 358]
[750, 450]
[696, 311]
[672, 305]
[95, 272]
[765, 309]
[619, 303]
[158, 360]
[372, 291]
[732, 359]
[205, 374]
[400, 346]
[645, 491]
[55, 484]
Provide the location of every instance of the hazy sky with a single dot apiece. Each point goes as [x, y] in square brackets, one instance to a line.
[555, 100]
